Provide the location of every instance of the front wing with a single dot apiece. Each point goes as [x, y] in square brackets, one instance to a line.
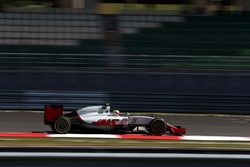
[176, 130]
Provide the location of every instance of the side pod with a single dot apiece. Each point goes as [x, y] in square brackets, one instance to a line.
[52, 112]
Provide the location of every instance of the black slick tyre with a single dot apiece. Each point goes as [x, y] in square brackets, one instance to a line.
[157, 127]
[62, 125]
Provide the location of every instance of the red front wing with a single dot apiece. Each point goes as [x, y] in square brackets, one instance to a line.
[176, 130]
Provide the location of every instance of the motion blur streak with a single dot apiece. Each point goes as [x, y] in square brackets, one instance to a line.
[125, 155]
[108, 159]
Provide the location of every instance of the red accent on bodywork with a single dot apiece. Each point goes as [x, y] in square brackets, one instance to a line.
[106, 122]
[176, 130]
[52, 112]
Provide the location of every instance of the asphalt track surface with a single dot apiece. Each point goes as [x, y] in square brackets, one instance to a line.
[212, 125]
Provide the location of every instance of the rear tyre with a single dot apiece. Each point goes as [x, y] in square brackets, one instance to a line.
[157, 127]
[62, 125]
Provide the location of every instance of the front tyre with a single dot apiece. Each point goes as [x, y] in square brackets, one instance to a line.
[62, 125]
[157, 127]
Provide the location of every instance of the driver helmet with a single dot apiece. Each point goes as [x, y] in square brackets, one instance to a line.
[105, 106]
[116, 112]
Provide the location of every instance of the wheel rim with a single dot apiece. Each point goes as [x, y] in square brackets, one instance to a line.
[62, 126]
[158, 127]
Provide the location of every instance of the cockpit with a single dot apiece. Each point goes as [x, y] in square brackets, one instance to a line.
[104, 109]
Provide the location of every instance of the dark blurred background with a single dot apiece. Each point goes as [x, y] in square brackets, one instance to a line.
[139, 55]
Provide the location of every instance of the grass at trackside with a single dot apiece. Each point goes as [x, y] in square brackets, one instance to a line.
[78, 142]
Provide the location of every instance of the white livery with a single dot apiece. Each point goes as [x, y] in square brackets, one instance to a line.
[101, 118]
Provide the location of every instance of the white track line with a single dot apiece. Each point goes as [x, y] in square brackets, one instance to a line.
[215, 138]
[181, 138]
[126, 136]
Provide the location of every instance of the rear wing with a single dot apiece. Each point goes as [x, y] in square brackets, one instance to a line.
[52, 112]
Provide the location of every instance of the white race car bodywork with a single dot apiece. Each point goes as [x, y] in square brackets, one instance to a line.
[101, 118]
[91, 115]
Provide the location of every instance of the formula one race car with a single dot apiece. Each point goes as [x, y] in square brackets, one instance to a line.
[100, 118]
